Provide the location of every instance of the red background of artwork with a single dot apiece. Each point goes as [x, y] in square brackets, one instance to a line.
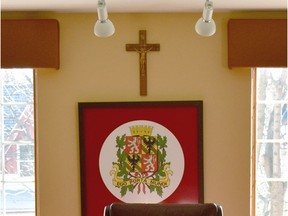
[98, 120]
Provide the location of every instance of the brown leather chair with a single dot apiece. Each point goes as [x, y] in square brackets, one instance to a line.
[137, 209]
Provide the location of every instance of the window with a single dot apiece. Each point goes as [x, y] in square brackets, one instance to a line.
[17, 189]
[269, 142]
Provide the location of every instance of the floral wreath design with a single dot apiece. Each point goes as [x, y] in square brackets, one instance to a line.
[141, 162]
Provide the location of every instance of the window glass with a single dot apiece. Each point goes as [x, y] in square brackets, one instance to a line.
[271, 142]
[17, 168]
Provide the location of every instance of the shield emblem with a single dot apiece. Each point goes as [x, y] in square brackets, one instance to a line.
[141, 154]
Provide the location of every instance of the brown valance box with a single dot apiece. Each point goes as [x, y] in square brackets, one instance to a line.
[257, 43]
[32, 43]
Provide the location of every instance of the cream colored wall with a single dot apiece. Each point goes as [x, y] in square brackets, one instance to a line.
[188, 67]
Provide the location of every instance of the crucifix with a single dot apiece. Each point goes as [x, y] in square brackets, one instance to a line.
[143, 48]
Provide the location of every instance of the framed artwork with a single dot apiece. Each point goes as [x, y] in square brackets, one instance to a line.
[140, 152]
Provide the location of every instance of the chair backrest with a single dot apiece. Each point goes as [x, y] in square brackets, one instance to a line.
[139, 209]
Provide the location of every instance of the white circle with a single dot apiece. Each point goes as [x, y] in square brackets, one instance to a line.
[141, 193]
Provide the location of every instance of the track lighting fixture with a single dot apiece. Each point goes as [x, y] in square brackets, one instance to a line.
[103, 27]
[205, 26]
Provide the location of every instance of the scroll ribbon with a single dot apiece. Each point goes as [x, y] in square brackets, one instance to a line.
[162, 182]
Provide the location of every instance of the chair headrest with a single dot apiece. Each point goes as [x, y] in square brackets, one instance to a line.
[140, 209]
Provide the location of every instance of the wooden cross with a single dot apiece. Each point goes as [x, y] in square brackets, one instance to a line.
[142, 48]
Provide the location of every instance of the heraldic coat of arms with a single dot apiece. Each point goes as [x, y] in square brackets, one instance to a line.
[141, 163]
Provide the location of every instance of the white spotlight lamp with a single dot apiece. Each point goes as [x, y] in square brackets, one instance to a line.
[103, 27]
[205, 26]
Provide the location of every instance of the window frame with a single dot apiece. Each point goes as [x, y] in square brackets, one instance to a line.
[18, 157]
[254, 142]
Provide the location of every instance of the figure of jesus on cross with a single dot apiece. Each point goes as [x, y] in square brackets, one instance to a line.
[143, 48]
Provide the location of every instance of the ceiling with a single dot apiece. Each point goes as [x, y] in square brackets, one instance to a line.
[144, 6]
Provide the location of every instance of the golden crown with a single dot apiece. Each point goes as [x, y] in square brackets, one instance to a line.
[141, 130]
